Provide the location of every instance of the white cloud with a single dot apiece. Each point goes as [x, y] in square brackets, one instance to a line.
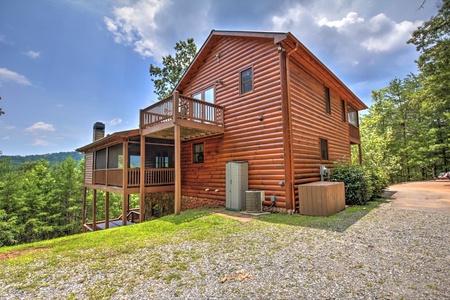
[6, 138]
[10, 127]
[136, 25]
[350, 19]
[33, 54]
[40, 142]
[115, 121]
[40, 126]
[8, 75]
[388, 35]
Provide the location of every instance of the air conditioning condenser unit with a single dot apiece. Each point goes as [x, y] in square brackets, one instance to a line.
[254, 201]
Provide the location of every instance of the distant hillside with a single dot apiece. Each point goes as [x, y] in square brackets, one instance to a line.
[51, 157]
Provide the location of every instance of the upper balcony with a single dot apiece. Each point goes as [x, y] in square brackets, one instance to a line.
[197, 118]
[354, 134]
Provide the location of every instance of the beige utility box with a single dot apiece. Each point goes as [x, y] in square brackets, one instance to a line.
[321, 198]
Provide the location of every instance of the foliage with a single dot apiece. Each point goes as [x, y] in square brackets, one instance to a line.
[166, 78]
[358, 189]
[38, 200]
[1, 111]
[405, 135]
[50, 157]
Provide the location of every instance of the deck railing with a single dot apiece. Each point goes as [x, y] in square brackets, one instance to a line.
[354, 132]
[153, 177]
[186, 108]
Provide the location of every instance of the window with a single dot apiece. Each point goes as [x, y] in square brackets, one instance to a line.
[327, 101]
[205, 95]
[343, 110]
[201, 111]
[323, 149]
[353, 116]
[198, 152]
[162, 160]
[246, 81]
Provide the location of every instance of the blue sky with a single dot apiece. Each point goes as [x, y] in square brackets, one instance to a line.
[66, 64]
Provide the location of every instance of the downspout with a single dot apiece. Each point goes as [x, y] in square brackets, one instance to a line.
[287, 130]
[288, 76]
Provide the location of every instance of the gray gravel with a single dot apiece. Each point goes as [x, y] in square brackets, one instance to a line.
[390, 253]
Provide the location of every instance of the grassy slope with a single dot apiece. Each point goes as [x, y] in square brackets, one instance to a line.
[30, 266]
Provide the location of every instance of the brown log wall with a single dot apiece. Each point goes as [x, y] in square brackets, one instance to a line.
[310, 122]
[246, 137]
[88, 167]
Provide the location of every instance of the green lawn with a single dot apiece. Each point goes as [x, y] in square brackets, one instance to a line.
[30, 266]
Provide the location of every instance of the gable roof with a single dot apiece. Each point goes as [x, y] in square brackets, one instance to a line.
[293, 47]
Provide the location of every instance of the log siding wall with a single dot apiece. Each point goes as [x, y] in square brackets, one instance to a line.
[246, 137]
[311, 122]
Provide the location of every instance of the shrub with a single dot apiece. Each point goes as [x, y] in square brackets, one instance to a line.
[377, 180]
[358, 190]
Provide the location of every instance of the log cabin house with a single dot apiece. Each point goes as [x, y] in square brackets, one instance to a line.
[258, 97]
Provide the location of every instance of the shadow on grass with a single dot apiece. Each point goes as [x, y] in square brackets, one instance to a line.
[339, 222]
[188, 216]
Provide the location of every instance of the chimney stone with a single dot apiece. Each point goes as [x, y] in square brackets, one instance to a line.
[99, 131]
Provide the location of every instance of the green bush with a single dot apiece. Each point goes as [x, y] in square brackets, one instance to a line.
[358, 190]
[377, 180]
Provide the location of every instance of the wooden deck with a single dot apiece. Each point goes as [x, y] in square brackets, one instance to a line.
[195, 117]
[153, 177]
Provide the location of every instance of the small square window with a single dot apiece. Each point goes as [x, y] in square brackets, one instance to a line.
[323, 149]
[327, 101]
[247, 81]
[198, 152]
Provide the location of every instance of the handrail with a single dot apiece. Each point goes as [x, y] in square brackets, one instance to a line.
[153, 177]
[186, 108]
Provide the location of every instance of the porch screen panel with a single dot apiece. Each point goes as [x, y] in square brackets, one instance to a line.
[115, 157]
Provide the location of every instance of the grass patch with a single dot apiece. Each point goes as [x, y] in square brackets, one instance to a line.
[338, 222]
[161, 249]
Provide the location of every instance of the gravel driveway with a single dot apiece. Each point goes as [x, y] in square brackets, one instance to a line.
[393, 252]
[423, 195]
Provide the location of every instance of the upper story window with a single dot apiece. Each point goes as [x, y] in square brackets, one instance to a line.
[353, 116]
[246, 81]
[343, 111]
[198, 152]
[205, 95]
[204, 112]
[327, 100]
[323, 149]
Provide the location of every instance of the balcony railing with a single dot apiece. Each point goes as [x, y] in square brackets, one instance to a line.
[354, 132]
[153, 177]
[179, 107]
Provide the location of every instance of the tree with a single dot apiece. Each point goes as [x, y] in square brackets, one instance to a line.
[1, 111]
[432, 40]
[166, 78]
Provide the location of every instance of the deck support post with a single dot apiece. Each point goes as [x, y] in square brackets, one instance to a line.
[177, 208]
[360, 154]
[83, 213]
[107, 210]
[142, 182]
[125, 196]
[177, 138]
[94, 210]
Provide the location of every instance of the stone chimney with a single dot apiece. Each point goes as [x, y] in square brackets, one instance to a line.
[99, 131]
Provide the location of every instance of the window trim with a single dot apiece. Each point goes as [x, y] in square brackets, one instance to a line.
[327, 154]
[327, 100]
[241, 92]
[194, 154]
[344, 112]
